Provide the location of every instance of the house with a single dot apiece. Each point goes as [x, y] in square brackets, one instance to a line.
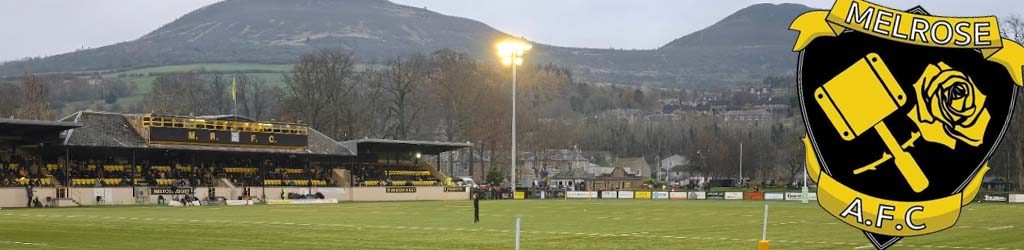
[540, 166]
[633, 166]
[618, 179]
[672, 168]
[570, 179]
[745, 115]
[466, 163]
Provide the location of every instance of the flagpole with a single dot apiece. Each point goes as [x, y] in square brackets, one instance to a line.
[234, 97]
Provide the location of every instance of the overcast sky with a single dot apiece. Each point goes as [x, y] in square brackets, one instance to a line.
[49, 27]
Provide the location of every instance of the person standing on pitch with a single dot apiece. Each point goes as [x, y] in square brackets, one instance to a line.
[28, 192]
[476, 207]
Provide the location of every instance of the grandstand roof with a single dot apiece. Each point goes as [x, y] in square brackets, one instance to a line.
[32, 131]
[371, 146]
[101, 129]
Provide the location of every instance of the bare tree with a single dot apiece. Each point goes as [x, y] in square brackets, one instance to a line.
[8, 106]
[1013, 28]
[403, 78]
[254, 96]
[35, 95]
[455, 86]
[181, 94]
[217, 95]
[373, 106]
[315, 91]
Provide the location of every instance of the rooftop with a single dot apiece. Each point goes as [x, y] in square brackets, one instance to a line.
[102, 129]
[374, 146]
[32, 131]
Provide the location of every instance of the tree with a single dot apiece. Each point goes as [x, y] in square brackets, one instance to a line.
[495, 176]
[1013, 28]
[184, 93]
[110, 98]
[317, 89]
[9, 106]
[217, 96]
[35, 95]
[456, 82]
[402, 80]
[369, 115]
[254, 96]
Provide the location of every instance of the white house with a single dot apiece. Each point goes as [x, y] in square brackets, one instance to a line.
[671, 168]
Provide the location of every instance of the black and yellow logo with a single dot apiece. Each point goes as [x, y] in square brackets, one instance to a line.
[903, 110]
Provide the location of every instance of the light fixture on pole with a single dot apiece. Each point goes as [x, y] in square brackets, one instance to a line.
[511, 53]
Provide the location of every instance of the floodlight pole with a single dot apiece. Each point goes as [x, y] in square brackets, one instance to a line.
[804, 189]
[514, 156]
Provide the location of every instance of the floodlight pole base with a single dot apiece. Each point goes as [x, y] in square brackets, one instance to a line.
[804, 191]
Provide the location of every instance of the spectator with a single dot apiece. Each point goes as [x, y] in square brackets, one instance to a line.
[28, 194]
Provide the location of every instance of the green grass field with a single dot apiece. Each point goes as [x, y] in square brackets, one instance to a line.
[547, 224]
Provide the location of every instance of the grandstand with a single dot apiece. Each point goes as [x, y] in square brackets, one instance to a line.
[110, 158]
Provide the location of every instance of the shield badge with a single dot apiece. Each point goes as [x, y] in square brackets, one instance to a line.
[903, 110]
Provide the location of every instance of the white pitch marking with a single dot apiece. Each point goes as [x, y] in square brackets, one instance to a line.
[999, 228]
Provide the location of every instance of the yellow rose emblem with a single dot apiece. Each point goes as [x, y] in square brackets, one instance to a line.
[949, 107]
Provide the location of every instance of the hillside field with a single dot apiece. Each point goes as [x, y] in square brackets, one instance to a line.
[547, 224]
[143, 80]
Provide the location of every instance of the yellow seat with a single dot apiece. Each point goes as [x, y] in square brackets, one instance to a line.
[112, 181]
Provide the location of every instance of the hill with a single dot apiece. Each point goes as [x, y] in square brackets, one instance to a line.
[749, 44]
[278, 32]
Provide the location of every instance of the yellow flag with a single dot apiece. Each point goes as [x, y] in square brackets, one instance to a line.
[234, 88]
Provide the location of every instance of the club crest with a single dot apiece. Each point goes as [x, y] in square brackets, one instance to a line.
[903, 110]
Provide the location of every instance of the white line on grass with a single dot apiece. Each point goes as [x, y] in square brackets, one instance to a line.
[634, 234]
[22, 243]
